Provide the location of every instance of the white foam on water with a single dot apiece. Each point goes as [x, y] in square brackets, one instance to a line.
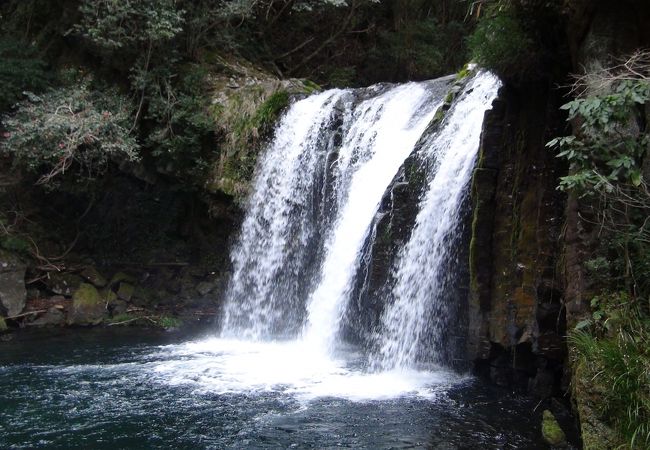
[224, 366]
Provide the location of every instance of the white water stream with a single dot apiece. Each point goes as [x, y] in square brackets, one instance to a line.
[418, 308]
[317, 191]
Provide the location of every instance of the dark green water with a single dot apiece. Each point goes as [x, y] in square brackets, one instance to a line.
[142, 389]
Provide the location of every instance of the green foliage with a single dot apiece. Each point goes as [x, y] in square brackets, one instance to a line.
[71, 132]
[341, 77]
[20, 70]
[607, 151]
[182, 135]
[116, 24]
[615, 351]
[606, 154]
[267, 114]
[424, 49]
[168, 322]
[501, 43]
[15, 244]
[123, 319]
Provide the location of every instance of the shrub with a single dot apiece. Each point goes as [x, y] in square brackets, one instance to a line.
[181, 137]
[116, 24]
[501, 44]
[615, 352]
[20, 70]
[168, 322]
[607, 151]
[71, 131]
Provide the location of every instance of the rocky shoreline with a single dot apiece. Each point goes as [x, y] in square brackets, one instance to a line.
[161, 295]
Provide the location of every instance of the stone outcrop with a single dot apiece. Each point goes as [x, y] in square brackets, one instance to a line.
[87, 306]
[12, 284]
[246, 101]
[516, 318]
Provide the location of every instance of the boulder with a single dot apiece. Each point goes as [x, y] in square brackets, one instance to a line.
[121, 276]
[12, 284]
[125, 291]
[63, 283]
[87, 306]
[205, 287]
[91, 275]
[54, 317]
[551, 431]
[118, 307]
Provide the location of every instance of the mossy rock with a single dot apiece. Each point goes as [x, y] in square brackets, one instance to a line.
[108, 296]
[3, 324]
[246, 102]
[93, 276]
[121, 276]
[86, 295]
[87, 306]
[125, 291]
[12, 283]
[551, 430]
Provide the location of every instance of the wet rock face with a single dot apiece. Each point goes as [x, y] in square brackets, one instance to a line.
[53, 317]
[12, 285]
[516, 323]
[87, 306]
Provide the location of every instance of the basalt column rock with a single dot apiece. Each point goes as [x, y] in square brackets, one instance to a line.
[516, 318]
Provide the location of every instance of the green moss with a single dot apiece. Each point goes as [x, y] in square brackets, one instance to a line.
[108, 295]
[463, 73]
[269, 111]
[3, 324]
[86, 295]
[125, 291]
[551, 431]
[123, 319]
[439, 115]
[121, 276]
[311, 87]
[169, 322]
[450, 97]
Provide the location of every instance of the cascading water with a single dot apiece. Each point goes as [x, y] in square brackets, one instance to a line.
[385, 130]
[418, 307]
[316, 197]
[273, 253]
[316, 193]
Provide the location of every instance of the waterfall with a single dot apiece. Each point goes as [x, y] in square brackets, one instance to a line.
[316, 195]
[385, 131]
[418, 309]
[272, 254]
